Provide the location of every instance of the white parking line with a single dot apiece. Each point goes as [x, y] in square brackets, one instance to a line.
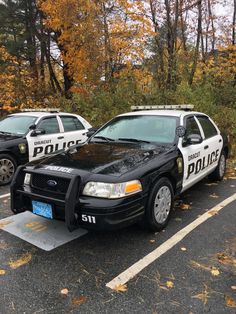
[133, 270]
[5, 195]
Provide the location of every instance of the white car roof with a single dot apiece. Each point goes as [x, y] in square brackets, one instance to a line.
[171, 113]
[40, 114]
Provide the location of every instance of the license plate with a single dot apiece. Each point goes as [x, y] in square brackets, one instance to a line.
[42, 209]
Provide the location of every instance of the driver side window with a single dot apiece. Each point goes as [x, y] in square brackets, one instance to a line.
[50, 125]
[192, 127]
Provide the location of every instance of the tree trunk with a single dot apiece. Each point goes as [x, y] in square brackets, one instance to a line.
[196, 52]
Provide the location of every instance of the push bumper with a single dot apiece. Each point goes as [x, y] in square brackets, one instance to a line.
[77, 210]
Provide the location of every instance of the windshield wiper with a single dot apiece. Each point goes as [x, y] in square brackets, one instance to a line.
[104, 138]
[132, 140]
[7, 133]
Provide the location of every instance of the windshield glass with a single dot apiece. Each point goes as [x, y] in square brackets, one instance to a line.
[153, 128]
[17, 125]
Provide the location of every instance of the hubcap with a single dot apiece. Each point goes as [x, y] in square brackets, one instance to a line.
[6, 170]
[222, 166]
[162, 204]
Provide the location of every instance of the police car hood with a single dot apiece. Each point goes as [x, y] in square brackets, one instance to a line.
[8, 137]
[103, 158]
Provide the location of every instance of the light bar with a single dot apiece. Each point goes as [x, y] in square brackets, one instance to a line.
[41, 110]
[168, 107]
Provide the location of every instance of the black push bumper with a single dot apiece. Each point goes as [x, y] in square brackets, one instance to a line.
[77, 210]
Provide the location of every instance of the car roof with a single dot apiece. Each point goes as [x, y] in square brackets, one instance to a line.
[40, 114]
[171, 113]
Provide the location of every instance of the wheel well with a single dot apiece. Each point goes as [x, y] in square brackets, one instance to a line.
[168, 176]
[11, 155]
[226, 151]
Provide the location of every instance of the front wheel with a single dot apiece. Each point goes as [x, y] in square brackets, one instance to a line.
[7, 169]
[218, 173]
[160, 205]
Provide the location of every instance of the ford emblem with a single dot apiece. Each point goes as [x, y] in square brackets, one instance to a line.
[52, 183]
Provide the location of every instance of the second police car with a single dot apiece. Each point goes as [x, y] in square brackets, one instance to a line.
[129, 170]
[30, 135]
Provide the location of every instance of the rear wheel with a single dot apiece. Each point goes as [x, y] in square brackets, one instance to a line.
[218, 173]
[160, 205]
[7, 168]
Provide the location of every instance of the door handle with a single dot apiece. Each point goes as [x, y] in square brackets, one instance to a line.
[60, 137]
[205, 147]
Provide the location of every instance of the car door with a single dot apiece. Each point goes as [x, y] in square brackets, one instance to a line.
[212, 143]
[74, 130]
[50, 141]
[191, 153]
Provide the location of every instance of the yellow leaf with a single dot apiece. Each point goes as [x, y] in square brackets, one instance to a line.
[215, 271]
[183, 249]
[24, 259]
[170, 284]
[213, 212]
[185, 206]
[233, 287]
[230, 302]
[120, 288]
[152, 241]
[2, 272]
[64, 291]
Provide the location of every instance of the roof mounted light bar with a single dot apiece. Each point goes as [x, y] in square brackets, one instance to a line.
[52, 110]
[186, 107]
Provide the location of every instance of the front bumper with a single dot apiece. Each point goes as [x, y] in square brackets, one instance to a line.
[76, 210]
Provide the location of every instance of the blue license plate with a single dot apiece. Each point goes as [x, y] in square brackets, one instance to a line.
[42, 209]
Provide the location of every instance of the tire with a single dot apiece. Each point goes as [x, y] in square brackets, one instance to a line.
[160, 205]
[218, 173]
[7, 169]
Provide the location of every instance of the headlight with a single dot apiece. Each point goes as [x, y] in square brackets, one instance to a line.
[112, 190]
[27, 178]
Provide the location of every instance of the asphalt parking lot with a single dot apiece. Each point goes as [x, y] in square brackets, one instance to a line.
[197, 274]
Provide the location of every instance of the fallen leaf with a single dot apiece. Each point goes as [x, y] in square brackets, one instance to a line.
[198, 265]
[178, 219]
[185, 206]
[233, 287]
[204, 296]
[24, 259]
[79, 300]
[64, 291]
[213, 212]
[183, 249]
[232, 186]
[211, 184]
[214, 195]
[5, 223]
[215, 271]
[120, 288]
[232, 178]
[230, 302]
[2, 272]
[152, 241]
[170, 284]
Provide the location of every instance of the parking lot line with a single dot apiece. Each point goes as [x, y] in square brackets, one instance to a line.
[137, 267]
[5, 195]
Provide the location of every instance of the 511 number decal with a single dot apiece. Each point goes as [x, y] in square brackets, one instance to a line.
[87, 218]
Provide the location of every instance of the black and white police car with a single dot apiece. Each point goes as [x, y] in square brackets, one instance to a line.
[129, 170]
[31, 134]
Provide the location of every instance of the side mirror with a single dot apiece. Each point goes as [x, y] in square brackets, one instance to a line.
[37, 132]
[32, 127]
[91, 131]
[180, 131]
[192, 139]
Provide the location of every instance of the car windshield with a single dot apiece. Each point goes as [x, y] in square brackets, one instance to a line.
[17, 125]
[139, 128]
